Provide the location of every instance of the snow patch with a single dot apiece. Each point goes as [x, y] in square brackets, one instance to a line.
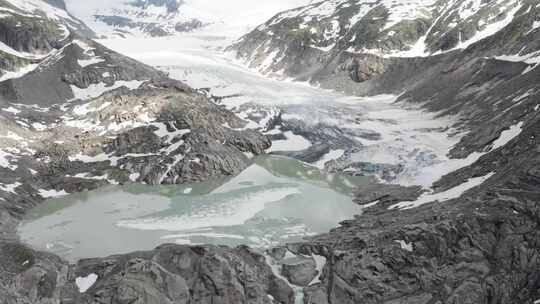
[51, 193]
[10, 188]
[87, 62]
[96, 90]
[19, 73]
[444, 196]
[406, 246]
[508, 135]
[85, 283]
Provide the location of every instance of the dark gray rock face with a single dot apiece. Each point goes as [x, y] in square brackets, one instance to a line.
[386, 194]
[299, 271]
[178, 274]
[50, 83]
[32, 36]
[169, 274]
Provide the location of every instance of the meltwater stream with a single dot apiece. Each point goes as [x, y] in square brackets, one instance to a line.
[274, 201]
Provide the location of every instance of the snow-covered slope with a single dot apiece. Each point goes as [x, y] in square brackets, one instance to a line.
[30, 30]
[385, 28]
[45, 11]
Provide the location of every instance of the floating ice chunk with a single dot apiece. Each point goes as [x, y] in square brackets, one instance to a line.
[228, 213]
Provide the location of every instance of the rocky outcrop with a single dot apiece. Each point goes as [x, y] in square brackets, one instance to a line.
[169, 274]
[186, 275]
[50, 83]
[299, 271]
[32, 35]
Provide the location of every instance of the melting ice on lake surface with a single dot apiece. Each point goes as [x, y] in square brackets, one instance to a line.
[274, 201]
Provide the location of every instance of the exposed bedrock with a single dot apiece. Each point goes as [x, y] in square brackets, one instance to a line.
[168, 274]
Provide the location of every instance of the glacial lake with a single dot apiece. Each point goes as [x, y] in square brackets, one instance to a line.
[274, 201]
